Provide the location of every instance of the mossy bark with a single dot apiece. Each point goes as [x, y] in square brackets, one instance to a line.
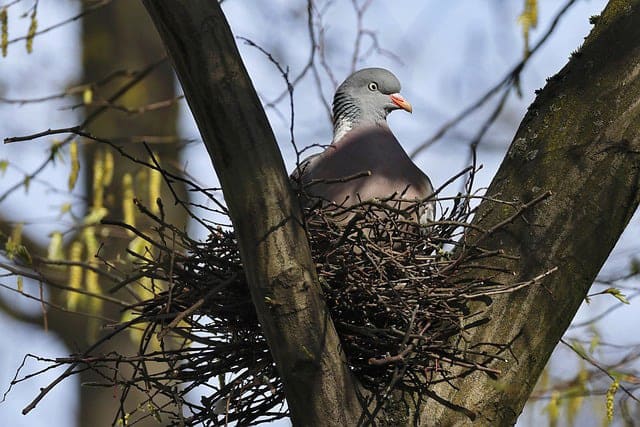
[580, 140]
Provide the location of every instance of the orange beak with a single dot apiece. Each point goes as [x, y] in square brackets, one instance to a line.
[397, 99]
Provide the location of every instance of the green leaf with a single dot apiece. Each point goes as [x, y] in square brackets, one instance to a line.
[24, 255]
[616, 293]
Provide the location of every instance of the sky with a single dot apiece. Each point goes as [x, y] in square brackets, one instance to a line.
[446, 54]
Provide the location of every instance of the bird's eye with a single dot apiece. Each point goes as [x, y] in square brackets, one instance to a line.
[373, 86]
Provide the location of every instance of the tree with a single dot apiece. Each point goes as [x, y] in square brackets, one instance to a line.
[107, 35]
[123, 30]
[555, 136]
[567, 144]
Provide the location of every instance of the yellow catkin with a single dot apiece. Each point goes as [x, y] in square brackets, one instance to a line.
[16, 234]
[98, 180]
[135, 331]
[92, 282]
[553, 408]
[155, 181]
[611, 394]
[92, 245]
[55, 251]
[531, 8]
[12, 246]
[33, 27]
[577, 396]
[136, 246]
[128, 208]
[75, 274]
[4, 31]
[93, 286]
[528, 19]
[87, 96]
[75, 164]
[108, 168]
[91, 242]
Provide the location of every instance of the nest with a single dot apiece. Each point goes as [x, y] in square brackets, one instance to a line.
[392, 288]
[397, 293]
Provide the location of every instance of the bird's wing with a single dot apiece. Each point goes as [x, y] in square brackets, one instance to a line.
[366, 163]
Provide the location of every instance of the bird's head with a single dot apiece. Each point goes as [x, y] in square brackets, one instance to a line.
[368, 95]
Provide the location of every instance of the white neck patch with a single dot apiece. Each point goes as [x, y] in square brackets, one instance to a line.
[342, 127]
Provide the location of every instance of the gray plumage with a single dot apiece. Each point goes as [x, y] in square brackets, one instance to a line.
[364, 145]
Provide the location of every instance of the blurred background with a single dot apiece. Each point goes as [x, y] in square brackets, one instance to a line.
[447, 55]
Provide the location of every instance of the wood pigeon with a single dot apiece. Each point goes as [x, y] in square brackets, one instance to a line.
[365, 161]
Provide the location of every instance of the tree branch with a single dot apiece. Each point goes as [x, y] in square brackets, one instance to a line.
[580, 140]
[264, 211]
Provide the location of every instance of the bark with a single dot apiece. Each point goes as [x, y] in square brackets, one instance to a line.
[581, 140]
[265, 214]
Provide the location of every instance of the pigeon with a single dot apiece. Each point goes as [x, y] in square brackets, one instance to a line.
[365, 161]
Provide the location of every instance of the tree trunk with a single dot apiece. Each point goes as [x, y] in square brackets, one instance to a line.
[121, 37]
[265, 213]
[580, 140]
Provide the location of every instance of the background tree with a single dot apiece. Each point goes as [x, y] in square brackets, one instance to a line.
[129, 96]
[147, 111]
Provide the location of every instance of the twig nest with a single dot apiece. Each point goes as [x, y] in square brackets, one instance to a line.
[389, 284]
[380, 273]
[396, 291]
